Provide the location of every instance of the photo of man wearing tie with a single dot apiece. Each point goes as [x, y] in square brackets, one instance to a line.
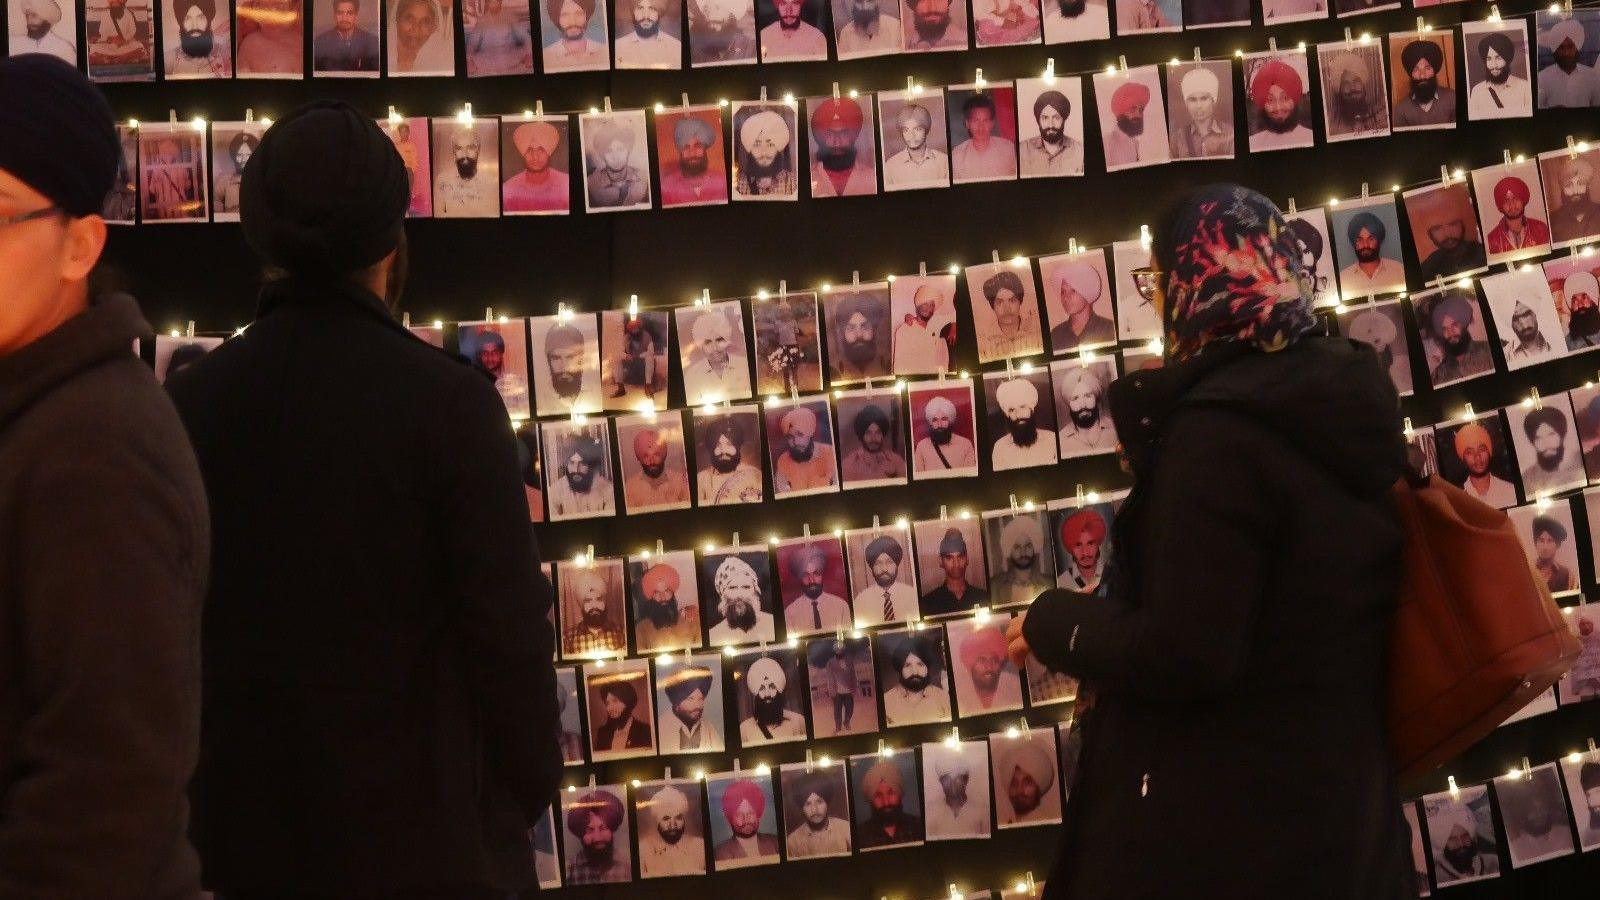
[883, 579]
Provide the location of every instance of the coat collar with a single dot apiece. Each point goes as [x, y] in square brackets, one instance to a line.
[105, 330]
[1143, 403]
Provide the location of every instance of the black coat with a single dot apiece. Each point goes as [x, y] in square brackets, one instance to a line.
[379, 704]
[102, 569]
[1236, 747]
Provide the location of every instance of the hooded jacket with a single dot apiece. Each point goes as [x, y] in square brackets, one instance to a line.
[1236, 746]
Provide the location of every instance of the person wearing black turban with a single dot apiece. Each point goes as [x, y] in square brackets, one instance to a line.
[1430, 103]
[1372, 272]
[725, 476]
[373, 541]
[584, 488]
[1501, 93]
[197, 53]
[914, 692]
[619, 729]
[888, 595]
[105, 528]
[857, 318]
[874, 460]
[597, 853]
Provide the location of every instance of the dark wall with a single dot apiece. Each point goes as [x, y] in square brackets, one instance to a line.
[524, 266]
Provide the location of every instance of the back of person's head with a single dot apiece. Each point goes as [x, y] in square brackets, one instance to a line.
[325, 194]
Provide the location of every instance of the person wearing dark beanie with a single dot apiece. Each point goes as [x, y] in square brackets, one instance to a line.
[380, 704]
[106, 543]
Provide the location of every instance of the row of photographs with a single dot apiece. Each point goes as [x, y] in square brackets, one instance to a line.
[925, 137]
[131, 40]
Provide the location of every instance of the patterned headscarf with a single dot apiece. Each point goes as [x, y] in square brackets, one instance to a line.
[1233, 272]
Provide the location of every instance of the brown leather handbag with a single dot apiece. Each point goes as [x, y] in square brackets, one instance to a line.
[1476, 636]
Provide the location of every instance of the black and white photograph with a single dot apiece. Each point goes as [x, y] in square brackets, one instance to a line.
[1382, 327]
[689, 703]
[593, 611]
[1046, 687]
[983, 123]
[344, 38]
[1419, 850]
[665, 599]
[578, 474]
[844, 149]
[722, 32]
[924, 312]
[885, 800]
[744, 820]
[534, 175]
[872, 437]
[691, 156]
[121, 206]
[1582, 682]
[1525, 317]
[1569, 49]
[597, 850]
[766, 151]
[943, 429]
[1133, 121]
[1422, 450]
[1534, 813]
[671, 820]
[1281, 12]
[1077, 301]
[955, 789]
[1545, 529]
[546, 858]
[883, 580]
[792, 30]
[1200, 116]
[566, 364]
[912, 676]
[655, 462]
[864, 28]
[813, 585]
[648, 35]
[616, 159]
[1137, 316]
[197, 39]
[727, 455]
[1081, 530]
[573, 35]
[466, 165]
[173, 173]
[986, 680]
[1547, 446]
[634, 359]
[771, 696]
[801, 447]
[1020, 419]
[844, 685]
[1455, 342]
[1422, 79]
[499, 349]
[788, 337]
[1366, 243]
[569, 729]
[816, 809]
[174, 352]
[232, 145]
[1005, 310]
[1475, 455]
[621, 712]
[713, 351]
[860, 338]
[1355, 96]
[420, 35]
[1149, 16]
[1021, 562]
[119, 37]
[1586, 403]
[498, 35]
[1582, 775]
[736, 595]
[1461, 831]
[1071, 21]
[1496, 57]
[1026, 781]
[46, 26]
[1278, 115]
[1050, 113]
[930, 26]
[1511, 211]
[1083, 408]
[950, 566]
[914, 144]
[1004, 23]
[1571, 192]
[1444, 231]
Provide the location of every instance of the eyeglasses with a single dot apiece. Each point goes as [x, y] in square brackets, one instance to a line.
[29, 216]
[1146, 280]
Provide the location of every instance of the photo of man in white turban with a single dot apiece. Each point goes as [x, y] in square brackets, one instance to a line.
[764, 162]
[37, 27]
[1025, 778]
[1026, 428]
[769, 707]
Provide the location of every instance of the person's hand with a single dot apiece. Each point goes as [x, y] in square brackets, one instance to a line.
[1016, 644]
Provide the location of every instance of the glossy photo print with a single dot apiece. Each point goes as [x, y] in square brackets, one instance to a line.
[616, 160]
[345, 38]
[1050, 115]
[944, 430]
[844, 153]
[596, 846]
[1496, 56]
[788, 337]
[1511, 211]
[574, 37]
[535, 180]
[635, 356]
[654, 462]
[1200, 116]
[197, 39]
[671, 820]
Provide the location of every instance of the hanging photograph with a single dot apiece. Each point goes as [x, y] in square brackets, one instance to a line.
[1310, 227]
[466, 166]
[1005, 310]
[771, 696]
[1569, 48]
[232, 145]
[813, 586]
[727, 454]
[1346, 8]
[1199, 14]
[844, 155]
[1133, 122]
[955, 785]
[885, 800]
[1546, 441]
[872, 438]
[46, 26]
[1021, 562]
[173, 353]
[410, 137]
[498, 350]
[929, 26]
[882, 575]
[864, 28]
[1444, 231]
[944, 429]
[1511, 211]
[596, 846]
[801, 445]
[950, 566]
[744, 820]
[616, 160]
[498, 35]
[792, 30]
[671, 817]
[1020, 419]
[986, 681]
[1525, 317]
[569, 729]
[1496, 55]
[534, 179]
[1005, 23]
[736, 595]
[722, 32]
[1572, 194]
[1355, 99]
[578, 469]
[1282, 12]
[121, 206]
[421, 38]
[689, 703]
[647, 35]
[172, 173]
[120, 36]
[197, 39]
[713, 352]
[788, 343]
[912, 676]
[531, 463]
[593, 611]
[665, 599]
[1077, 301]
[844, 686]
[1137, 316]
[1382, 326]
[1422, 79]
[1461, 827]
[573, 34]
[1050, 115]
[1582, 775]
[983, 131]
[1201, 125]
[1148, 16]
[1026, 781]
[766, 151]
[1083, 409]
[566, 363]
[1572, 282]
[1455, 343]
[914, 142]
[1279, 113]
[859, 335]
[1545, 529]
[1534, 812]
[691, 155]
[621, 714]
[816, 809]
[1081, 530]
[1475, 455]
[344, 38]
[1366, 236]
[635, 359]
[1071, 21]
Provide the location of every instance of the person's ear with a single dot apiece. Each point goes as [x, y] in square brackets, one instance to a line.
[86, 239]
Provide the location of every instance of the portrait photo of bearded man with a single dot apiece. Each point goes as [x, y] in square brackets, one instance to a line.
[1133, 121]
[881, 575]
[690, 157]
[689, 704]
[1566, 81]
[1569, 190]
[1424, 84]
[816, 810]
[713, 352]
[1021, 561]
[655, 469]
[722, 32]
[886, 805]
[666, 602]
[574, 36]
[537, 182]
[43, 26]
[844, 159]
[789, 30]
[986, 681]
[735, 595]
[592, 609]
[1026, 783]
[647, 34]
[1461, 828]
[1444, 231]
[1083, 408]
[1050, 126]
[1070, 21]
[942, 428]
[597, 850]
[672, 828]
[911, 676]
[621, 716]
[765, 152]
[1525, 317]
[1354, 102]
[728, 455]
[1580, 294]
[955, 789]
[615, 160]
[1367, 248]
[1546, 443]
[1021, 419]
[566, 364]
[864, 28]
[771, 697]
[1279, 112]
[933, 25]
[812, 583]
[872, 438]
[1453, 337]
[859, 334]
[578, 469]
[744, 821]
[199, 42]
[799, 439]
[466, 168]
[1382, 327]
[1497, 70]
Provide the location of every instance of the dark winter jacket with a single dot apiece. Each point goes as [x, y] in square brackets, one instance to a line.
[1236, 747]
[102, 567]
[380, 704]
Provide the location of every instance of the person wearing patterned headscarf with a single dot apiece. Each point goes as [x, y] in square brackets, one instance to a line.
[1255, 445]
[770, 720]
[739, 602]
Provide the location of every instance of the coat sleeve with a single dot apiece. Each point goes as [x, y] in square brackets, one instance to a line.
[503, 599]
[1207, 549]
[112, 558]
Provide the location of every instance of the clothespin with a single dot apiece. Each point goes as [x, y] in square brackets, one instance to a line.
[1272, 44]
[994, 257]
[1080, 496]
[736, 764]
[1013, 503]
[633, 307]
[172, 119]
[1444, 173]
[977, 78]
[1422, 25]
[783, 289]
[1009, 369]
[591, 781]
[1144, 236]
[884, 749]
[1572, 146]
[1348, 38]
[1506, 157]
[393, 115]
[944, 513]
[1468, 412]
[606, 104]
[1494, 12]
[911, 85]
[660, 548]
[488, 312]
[1023, 728]
[808, 760]
[1072, 246]
[836, 90]
[189, 330]
[538, 107]
[666, 773]
[955, 736]
[1028, 880]
[705, 297]
[1591, 745]
[405, 320]
[1535, 399]
[1122, 63]
[763, 93]
[1527, 769]
[735, 540]
[1049, 70]
[249, 114]
[876, 525]
[1365, 191]
[855, 278]
[1197, 56]
[955, 892]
